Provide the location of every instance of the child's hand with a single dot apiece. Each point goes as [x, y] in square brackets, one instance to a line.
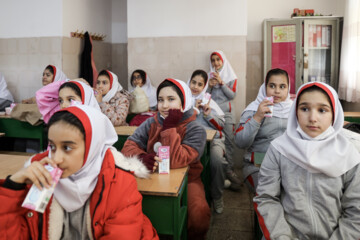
[150, 161]
[36, 173]
[262, 110]
[98, 96]
[212, 82]
[197, 103]
[206, 109]
[172, 119]
[218, 78]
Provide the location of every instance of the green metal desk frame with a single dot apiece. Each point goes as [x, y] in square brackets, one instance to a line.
[17, 129]
[168, 214]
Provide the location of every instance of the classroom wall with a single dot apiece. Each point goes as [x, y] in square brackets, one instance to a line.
[274, 9]
[119, 41]
[174, 38]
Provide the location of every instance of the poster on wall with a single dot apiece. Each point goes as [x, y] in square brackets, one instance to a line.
[284, 34]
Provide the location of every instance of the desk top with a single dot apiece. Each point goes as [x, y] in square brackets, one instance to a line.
[163, 184]
[129, 130]
[351, 114]
[5, 116]
[11, 163]
[2, 134]
[158, 184]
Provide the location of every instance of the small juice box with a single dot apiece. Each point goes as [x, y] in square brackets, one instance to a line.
[37, 199]
[206, 99]
[271, 99]
[164, 155]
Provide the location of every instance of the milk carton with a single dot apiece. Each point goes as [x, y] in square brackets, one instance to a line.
[271, 107]
[37, 199]
[164, 155]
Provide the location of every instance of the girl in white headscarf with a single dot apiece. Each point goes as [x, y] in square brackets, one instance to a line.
[211, 117]
[222, 87]
[51, 74]
[114, 101]
[255, 131]
[139, 78]
[96, 195]
[175, 126]
[309, 179]
[62, 94]
[5, 95]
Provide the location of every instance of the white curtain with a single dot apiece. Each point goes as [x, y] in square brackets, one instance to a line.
[349, 82]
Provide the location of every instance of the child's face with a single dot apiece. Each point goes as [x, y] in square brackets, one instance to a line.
[314, 113]
[278, 88]
[103, 84]
[197, 84]
[47, 77]
[67, 147]
[137, 80]
[66, 95]
[168, 99]
[216, 62]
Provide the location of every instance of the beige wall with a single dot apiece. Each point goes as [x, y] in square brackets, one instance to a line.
[120, 62]
[178, 57]
[22, 61]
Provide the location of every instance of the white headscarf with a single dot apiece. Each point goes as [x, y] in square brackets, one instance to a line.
[213, 104]
[149, 90]
[72, 192]
[58, 74]
[330, 153]
[280, 110]
[87, 94]
[114, 87]
[226, 73]
[4, 91]
[188, 102]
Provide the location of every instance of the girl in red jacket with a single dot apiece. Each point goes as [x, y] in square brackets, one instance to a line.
[96, 196]
[174, 125]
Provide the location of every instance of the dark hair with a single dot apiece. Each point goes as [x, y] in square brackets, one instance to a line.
[104, 73]
[167, 83]
[202, 73]
[73, 86]
[315, 88]
[50, 68]
[66, 117]
[276, 71]
[142, 74]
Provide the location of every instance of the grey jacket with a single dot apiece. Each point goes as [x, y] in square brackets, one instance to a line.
[212, 122]
[255, 137]
[297, 204]
[222, 95]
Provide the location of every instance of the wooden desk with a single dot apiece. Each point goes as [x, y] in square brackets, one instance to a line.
[165, 201]
[2, 134]
[11, 163]
[17, 129]
[352, 116]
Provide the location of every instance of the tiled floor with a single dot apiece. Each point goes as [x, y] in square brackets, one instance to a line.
[236, 222]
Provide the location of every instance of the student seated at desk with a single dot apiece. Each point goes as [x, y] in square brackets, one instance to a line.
[62, 94]
[210, 115]
[114, 101]
[255, 131]
[96, 196]
[175, 126]
[5, 95]
[139, 78]
[50, 74]
[309, 179]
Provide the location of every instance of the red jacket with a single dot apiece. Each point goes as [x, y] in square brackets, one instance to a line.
[115, 210]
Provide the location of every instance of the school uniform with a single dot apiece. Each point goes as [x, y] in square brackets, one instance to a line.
[222, 95]
[214, 121]
[6, 97]
[115, 104]
[256, 137]
[187, 141]
[47, 98]
[102, 196]
[308, 187]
